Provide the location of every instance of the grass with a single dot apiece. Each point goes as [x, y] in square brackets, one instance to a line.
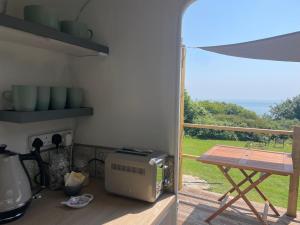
[275, 187]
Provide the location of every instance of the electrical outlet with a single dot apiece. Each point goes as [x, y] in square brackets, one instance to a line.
[67, 139]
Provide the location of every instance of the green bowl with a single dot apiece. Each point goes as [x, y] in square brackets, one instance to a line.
[41, 15]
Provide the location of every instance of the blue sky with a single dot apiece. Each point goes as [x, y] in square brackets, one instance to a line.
[218, 77]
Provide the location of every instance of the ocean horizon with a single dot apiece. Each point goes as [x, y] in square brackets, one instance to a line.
[259, 106]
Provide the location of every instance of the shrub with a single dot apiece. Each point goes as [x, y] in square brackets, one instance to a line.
[228, 114]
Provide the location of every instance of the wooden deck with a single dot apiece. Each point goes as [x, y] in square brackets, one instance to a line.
[196, 205]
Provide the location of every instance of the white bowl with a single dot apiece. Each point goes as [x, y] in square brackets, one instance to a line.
[79, 201]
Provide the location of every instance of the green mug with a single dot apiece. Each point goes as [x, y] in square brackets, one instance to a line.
[76, 29]
[74, 98]
[41, 15]
[58, 97]
[23, 97]
[43, 98]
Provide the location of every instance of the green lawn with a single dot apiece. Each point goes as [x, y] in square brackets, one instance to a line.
[275, 187]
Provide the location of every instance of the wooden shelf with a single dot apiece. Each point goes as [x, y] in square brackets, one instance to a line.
[23, 32]
[36, 116]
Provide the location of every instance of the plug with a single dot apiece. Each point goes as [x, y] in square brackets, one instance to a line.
[37, 144]
[3, 147]
[56, 140]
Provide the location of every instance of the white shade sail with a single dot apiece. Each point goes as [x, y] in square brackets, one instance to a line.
[279, 48]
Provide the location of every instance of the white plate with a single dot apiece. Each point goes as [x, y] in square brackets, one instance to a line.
[79, 201]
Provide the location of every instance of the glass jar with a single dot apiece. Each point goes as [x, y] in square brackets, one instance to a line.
[82, 166]
[58, 166]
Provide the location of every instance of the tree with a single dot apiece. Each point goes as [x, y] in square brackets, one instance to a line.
[289, 109]
[192, 110]
[284, 116]
[296, 101]
[188, 115]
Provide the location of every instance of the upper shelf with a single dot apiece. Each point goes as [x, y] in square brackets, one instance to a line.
[20, 31]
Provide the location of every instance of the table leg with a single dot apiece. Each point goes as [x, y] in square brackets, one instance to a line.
[239, 184]
[260, 193]
[241, 194]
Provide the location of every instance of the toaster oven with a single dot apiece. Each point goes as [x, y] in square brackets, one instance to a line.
[134, 173]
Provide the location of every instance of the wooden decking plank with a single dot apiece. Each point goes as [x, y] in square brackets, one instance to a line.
[195, 205]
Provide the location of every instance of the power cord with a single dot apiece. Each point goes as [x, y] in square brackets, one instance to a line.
[81, 9]
[97, 160]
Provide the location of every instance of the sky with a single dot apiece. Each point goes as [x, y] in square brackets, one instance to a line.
[217, 77]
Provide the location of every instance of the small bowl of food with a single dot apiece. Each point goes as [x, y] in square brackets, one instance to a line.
[73, 190]
[73, 183]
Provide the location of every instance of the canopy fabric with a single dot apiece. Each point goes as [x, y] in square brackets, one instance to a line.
[279, 48]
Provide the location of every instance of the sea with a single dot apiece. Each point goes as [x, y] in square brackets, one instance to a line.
[261, 107]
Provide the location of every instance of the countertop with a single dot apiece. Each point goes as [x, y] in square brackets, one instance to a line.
[104, 209]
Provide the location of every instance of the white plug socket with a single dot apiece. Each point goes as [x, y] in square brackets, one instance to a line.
[67, 139]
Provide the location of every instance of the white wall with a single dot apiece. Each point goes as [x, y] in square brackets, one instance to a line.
[26, 65]
[135, 90]
[30, 66]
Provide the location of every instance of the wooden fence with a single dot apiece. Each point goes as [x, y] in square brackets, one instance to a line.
[234, 129]
[239, 129]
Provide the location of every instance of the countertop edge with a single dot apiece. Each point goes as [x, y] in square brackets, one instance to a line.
[164, 212]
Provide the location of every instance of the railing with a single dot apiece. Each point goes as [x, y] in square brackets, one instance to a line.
[239, 129]
[234, 129]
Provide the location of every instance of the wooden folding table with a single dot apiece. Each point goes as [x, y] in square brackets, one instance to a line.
[266, 163]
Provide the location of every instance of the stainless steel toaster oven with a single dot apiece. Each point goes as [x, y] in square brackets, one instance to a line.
[134, 173]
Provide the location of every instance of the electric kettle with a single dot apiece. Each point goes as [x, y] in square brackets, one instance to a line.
[15, 188]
